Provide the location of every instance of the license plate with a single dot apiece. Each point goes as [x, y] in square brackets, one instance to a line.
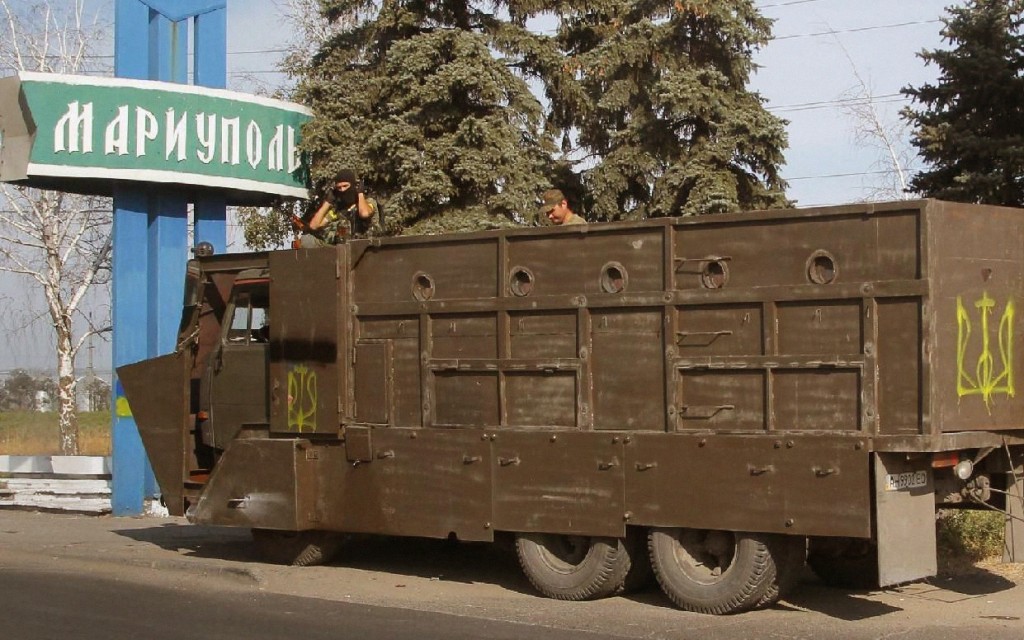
[908, 480]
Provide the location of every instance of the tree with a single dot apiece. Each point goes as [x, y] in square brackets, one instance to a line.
[20, 391]
[888, 139]
[659, 100]
[59, 241]
[969, 128]
[428, 102]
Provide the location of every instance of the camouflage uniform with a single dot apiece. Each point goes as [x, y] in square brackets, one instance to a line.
[347, 224]
[574, 219]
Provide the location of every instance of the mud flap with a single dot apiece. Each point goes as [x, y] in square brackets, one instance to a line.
[904, 518]
[262, 483]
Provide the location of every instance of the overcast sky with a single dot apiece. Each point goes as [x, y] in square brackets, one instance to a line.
[825, 53]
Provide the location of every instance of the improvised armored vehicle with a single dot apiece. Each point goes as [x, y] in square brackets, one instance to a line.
[724, 396]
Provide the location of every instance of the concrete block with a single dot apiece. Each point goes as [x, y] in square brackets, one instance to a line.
[80, 465]
[25, 464]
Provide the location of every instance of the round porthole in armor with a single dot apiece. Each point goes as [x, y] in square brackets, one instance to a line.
[714, 274]
[422, 286]
[614, 278]
[520, 281]
[821, 268]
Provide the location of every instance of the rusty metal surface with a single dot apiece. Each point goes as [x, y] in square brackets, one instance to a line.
[306, 388]
[263, 483]
[567, 482]
[409, 482]
[803, 485]
[977, 273]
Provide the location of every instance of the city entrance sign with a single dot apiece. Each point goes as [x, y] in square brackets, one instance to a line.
[87, 132]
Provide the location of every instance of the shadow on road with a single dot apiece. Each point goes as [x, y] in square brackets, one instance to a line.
[495, 564]
[444, 560]
[222, 543]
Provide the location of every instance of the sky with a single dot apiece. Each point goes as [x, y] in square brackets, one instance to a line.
[824, 54]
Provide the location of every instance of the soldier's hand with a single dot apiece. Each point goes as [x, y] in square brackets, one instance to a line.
[358, 186]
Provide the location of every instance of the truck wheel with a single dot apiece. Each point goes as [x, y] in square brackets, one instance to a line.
[296, 548]
[711, 571]
[848, 563]
[573, 567]
[789, 554]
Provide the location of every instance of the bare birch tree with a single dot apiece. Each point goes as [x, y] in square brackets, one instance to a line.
[890, 140]
[60, 242]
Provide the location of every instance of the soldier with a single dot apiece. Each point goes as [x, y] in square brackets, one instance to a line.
[556, 208]
[345, 211]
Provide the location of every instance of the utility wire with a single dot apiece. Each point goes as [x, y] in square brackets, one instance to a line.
[876, 27]
[785, 4]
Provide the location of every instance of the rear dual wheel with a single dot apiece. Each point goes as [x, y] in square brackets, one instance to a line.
[580, 567]
[715, 571]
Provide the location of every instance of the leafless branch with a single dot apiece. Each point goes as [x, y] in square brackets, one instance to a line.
[871, 130]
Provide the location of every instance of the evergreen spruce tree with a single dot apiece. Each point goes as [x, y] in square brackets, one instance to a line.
[661, 106]
[970, 127]
[428, 102]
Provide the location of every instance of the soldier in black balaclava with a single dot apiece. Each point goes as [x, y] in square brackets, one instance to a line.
[345, 211]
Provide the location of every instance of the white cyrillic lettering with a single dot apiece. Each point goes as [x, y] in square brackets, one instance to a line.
[176, 132]
[230, 141]
[115, 138]
[276, 150]
[74, 127]
[253, 144]
[294, 161]
[145, 129]
[206, 129]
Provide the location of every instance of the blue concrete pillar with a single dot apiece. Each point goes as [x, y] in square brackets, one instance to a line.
[151, 226]
[210, 70]
[130, 285]
[130, 280]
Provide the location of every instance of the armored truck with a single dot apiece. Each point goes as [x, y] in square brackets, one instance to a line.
[713, 401]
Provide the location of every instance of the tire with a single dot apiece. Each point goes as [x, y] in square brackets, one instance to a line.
[296, 548]
[847, 563]
[714, 572]
[573, 567]
[789, 554]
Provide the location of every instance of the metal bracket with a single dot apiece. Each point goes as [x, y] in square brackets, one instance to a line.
[698, 412]
[681, 336]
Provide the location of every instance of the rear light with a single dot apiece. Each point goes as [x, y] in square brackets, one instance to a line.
[945, 459]
[202, 415]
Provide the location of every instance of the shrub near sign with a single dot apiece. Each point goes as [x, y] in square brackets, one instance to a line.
[73, 127]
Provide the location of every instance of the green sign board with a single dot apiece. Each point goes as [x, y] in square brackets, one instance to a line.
[77, 128]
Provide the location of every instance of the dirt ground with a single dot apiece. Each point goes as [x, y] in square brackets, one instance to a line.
[483, 581]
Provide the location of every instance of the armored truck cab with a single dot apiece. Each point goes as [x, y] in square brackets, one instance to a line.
[733, 393]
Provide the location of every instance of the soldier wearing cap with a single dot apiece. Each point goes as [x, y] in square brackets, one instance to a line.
[556, 208]
[345, 211]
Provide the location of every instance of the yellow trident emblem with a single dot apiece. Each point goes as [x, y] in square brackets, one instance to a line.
[985, 381]
[301, 399]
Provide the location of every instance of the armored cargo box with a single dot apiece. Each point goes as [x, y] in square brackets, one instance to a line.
[825, 373]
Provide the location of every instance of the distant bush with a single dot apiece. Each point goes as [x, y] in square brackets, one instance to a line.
[973, 535]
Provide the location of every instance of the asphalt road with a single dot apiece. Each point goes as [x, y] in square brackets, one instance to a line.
[42, 605]
[72, 577]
